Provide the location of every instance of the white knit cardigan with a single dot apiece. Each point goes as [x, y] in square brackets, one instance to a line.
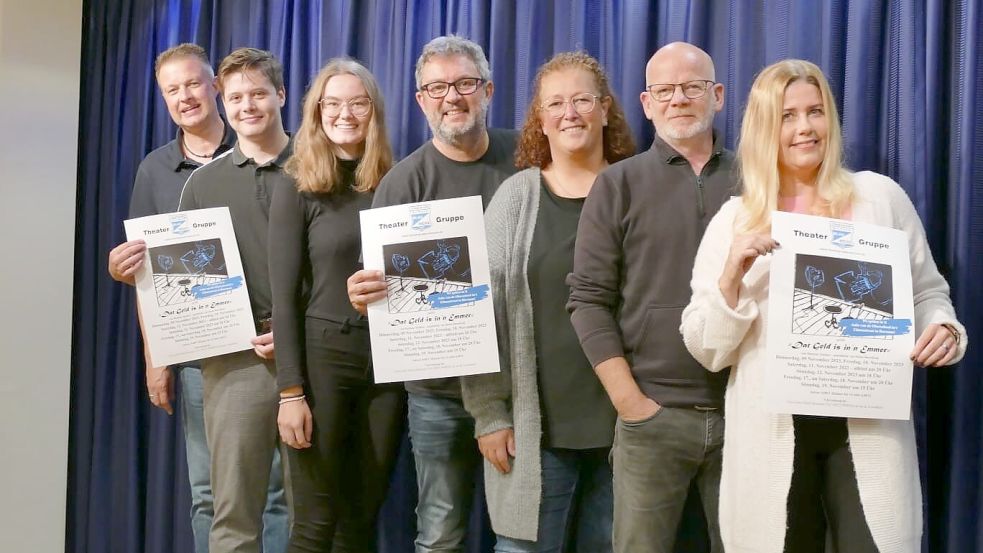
[758, 445]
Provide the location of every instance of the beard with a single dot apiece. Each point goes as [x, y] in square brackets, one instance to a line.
[452, 134]
[696, 128]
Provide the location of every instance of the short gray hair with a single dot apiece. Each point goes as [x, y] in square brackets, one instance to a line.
[453, 45]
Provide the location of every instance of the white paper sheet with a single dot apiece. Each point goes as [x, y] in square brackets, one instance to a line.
[840, 319]
[438, 319]
[191, 289]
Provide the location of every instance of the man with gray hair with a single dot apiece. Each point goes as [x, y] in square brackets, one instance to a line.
[465, 158]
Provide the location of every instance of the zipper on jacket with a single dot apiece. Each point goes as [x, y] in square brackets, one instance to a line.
[699, 196]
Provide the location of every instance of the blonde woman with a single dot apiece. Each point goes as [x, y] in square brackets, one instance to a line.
[789, 480]
[342, 429]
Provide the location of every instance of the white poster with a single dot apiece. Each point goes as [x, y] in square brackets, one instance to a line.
[438, 319]
[840, 319]
[191, 288]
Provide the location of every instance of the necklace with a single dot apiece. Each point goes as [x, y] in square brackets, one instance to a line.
[184, 141]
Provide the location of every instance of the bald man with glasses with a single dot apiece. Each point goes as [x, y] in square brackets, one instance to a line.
[639, 231]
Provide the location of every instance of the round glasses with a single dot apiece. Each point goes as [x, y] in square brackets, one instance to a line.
[465, 86]
[691, 89]
[359, 107]
[582, 103]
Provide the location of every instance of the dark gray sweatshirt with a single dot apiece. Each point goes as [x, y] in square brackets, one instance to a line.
[639, 231]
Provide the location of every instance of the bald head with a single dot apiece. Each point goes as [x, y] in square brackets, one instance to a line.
[676, 58]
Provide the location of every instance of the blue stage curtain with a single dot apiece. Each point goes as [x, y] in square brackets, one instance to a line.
[908, 78]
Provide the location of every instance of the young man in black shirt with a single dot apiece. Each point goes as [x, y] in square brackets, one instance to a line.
[240, 389]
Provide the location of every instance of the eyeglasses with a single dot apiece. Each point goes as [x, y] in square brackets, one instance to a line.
[359, 107]
[691, 89]
[465, 86]
[582, 103]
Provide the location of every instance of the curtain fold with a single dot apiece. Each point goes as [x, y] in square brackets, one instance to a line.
[909, 82]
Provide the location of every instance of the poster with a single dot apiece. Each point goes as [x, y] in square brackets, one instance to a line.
[438, 319]
[840, 319]
[191, 288]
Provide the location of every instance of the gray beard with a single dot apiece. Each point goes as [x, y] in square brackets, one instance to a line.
[454, 136]
[693, 130]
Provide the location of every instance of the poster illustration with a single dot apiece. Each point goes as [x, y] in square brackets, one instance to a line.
[191, 289]
[840, 313]
[438, 319]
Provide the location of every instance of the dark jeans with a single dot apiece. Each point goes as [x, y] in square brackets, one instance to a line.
[655, 460]
[340, 482]
[824, 491]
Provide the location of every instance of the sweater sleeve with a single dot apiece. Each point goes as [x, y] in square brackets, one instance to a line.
[287, 260]
[488, 396]
[711, 330]
[597, 271]
[931, 291]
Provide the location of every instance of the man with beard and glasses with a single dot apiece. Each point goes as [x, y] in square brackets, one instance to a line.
[638, 234]
[465, 158]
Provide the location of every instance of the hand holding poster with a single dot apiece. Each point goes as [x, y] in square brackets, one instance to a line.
[438, 319]
[839, 319]
[191, 289]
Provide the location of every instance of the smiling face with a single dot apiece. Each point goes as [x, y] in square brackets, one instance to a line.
[572, 133]
[680, 118]
[455, 116]
[252, 105]
[346, 130]
[188, 88]
[804, 131]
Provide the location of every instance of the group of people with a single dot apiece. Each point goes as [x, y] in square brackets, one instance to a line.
[630, 296]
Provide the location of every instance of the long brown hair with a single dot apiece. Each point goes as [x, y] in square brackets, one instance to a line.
[314, 163]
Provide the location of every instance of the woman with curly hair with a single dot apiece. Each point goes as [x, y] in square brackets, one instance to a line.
[342, 429]
[544, 424]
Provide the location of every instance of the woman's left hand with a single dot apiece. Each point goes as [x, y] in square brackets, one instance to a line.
[935, 347]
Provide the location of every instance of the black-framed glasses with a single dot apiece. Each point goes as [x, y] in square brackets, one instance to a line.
[359, 107]
[582, 103]
[691, 89]
[465, 86]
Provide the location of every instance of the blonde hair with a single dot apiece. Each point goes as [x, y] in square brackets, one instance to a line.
[757, 150]
[181, 51]
[314, 163]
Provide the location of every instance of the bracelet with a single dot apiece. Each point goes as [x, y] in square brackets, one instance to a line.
[289, 399]
[952, 330]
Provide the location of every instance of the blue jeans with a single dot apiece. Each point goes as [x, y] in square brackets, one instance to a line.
[446, 457]
[275, 518]
[577, 496]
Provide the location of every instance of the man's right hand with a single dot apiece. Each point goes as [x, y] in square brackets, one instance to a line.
[365, 287]
[125, 260]
[638, 409]
[498, 447]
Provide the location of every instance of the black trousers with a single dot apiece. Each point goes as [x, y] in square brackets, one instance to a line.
[824, 491]
[339, 483]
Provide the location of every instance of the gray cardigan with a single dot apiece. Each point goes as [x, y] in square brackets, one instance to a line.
[511, 398]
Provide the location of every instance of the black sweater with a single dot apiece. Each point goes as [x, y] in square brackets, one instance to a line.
[315, 244]
[638, 234]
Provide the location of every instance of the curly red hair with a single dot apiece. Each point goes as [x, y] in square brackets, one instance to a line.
[533, 148]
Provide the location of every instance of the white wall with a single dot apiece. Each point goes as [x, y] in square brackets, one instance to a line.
[40, 46]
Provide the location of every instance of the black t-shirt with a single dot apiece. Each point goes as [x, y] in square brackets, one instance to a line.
[427, 175]
[315, 244]
[576, 411]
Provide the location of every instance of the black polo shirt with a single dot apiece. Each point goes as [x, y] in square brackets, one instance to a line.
[237, 182]
[162, 174]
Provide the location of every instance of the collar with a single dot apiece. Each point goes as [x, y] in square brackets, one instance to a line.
[669, 154]
[176, 157]
[280, 160]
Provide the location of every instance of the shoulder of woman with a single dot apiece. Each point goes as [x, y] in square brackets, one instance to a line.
[869, 184]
